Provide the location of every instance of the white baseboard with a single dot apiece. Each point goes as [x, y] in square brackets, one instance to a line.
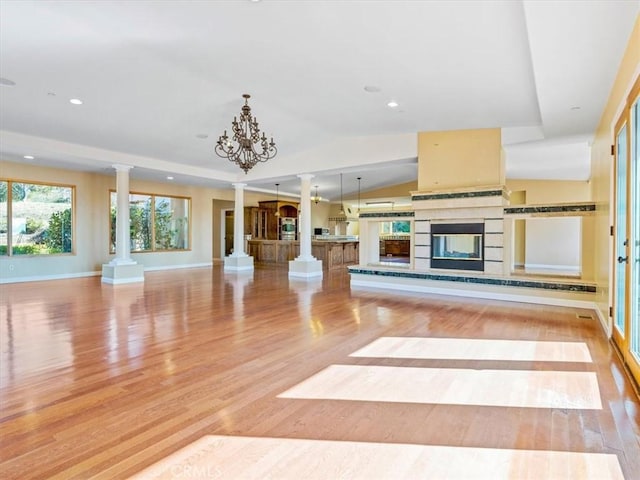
[66, 276]
[40, 278]
[176, 267]
[541, 266]
[604, 321]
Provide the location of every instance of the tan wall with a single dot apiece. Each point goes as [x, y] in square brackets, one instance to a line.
[400, 190]
[551, 191]
[460, 158]
[601, 168]
[91, 230]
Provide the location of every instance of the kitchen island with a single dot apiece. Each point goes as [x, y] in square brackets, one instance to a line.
[334, 252]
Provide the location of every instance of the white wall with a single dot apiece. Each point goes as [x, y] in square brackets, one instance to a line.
[553, 243]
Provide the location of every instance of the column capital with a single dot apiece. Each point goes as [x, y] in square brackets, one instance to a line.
[239, 185]
[305, 176]
[121, 168]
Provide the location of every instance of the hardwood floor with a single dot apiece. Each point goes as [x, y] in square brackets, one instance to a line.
[100, 381]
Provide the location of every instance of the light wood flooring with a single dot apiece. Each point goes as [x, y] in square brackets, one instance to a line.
[186, 376]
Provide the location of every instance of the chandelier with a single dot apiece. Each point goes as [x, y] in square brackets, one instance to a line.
[246, 147]
[316, 198]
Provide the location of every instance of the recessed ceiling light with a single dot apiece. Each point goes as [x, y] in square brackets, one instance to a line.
[371, 89]
[202, 136]
[6, 82]
[169, 178]
[76, 101]
[51, 94]
[29, 157]
[575, 108]
[392, 104]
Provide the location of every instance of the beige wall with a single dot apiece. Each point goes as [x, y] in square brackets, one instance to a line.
[602, 164]
[400, 190]
[535, 192]
[460, 158]
[91, 229]
[550, 191]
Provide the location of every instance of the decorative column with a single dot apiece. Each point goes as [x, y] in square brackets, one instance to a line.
[305, 265]
[238, 260]
[122, 269]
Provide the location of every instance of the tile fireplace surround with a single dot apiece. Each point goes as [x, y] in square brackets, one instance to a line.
[488, 206]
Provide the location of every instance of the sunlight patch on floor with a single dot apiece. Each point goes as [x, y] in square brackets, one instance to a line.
[248, 458]
[503, 388]
[475, 349]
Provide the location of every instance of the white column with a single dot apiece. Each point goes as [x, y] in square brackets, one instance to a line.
[123, 232]
[305, 265]
[305, 218]
[238, 221]
[238, 260]
[122, 269]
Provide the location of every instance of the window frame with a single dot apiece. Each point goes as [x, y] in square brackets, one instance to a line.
[153, 197]
[10, 253]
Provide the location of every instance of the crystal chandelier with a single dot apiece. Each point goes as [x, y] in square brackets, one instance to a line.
[246, 147]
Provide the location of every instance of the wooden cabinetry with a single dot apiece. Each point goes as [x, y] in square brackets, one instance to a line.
[399, 248]
[262, 223]
[332, 254]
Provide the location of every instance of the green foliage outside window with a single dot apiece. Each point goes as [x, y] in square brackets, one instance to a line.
[41, 219]
[155, 223]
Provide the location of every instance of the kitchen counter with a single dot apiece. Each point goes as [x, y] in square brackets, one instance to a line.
[334, 253]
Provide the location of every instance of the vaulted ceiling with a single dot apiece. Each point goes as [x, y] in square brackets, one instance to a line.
[161, 80]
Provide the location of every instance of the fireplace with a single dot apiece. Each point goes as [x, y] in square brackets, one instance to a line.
[457, 246]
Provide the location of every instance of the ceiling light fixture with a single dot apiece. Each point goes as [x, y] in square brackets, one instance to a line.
[246, 136]
[76, 101]
[359, 178]
[29, 157]
[169, 178]
[371, 89]
[277, 214]
[341, 203]
[392, 104]
[316, 198]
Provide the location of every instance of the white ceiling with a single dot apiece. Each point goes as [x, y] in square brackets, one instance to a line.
[153, 75]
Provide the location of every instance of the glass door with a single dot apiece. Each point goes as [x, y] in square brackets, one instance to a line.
[634, 251]
[620, 234]
[626, 261]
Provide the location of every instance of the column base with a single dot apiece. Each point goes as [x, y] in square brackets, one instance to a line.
[238, 264]
[305, 268]
[118, 274]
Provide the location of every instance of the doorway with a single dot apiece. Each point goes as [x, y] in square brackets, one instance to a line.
[227, 232]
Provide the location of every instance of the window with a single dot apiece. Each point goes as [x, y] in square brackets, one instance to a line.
[389, 228]
[41, 218]
[156, 222]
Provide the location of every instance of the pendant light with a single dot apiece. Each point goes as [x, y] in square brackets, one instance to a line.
[277, 214]
[359, 178]
[341, 203]
[316, 198]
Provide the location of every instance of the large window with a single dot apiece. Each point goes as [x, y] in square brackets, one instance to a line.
[35, 219]
[156, 222]
[396, 227]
